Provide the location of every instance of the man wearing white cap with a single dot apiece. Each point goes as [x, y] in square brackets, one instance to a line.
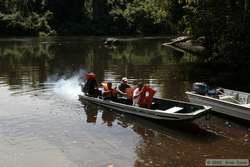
[121, 88]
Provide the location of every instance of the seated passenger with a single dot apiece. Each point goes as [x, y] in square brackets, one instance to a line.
[143, 96]
[137, 94]
[121, 88]
[148, 99]
[90, 87]
[108, 92]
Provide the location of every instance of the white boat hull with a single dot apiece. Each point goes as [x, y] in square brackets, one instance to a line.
[220, 106]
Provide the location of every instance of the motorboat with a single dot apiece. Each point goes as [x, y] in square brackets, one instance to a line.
[225, 101]
[163, 109]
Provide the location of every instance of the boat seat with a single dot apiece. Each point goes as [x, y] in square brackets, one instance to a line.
[229, 99]
[173, 109]
[225, 97]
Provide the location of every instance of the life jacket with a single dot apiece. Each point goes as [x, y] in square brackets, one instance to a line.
[129, 92]
[112, 92]
[146, 97]
[105, 86]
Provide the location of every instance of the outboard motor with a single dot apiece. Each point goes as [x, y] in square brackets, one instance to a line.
[200, 88]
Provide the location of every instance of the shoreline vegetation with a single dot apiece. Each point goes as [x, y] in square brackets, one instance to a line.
[186, 43]
[224, 25]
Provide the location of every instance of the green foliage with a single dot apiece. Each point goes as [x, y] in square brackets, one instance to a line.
[17, 24]
[90, 16]
[8, 6]
[140, 16]
[145, 17]
[225, 24]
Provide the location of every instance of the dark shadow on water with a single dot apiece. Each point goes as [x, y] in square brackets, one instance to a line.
[176, 129]
[232, 120]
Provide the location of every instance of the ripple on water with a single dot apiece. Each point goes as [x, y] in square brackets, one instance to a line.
[32, 91]
[44, 124]
[2, 82]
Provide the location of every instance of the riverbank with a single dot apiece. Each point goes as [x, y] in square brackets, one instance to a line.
[189, 44]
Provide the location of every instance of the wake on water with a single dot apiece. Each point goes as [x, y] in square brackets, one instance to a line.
[69, 87]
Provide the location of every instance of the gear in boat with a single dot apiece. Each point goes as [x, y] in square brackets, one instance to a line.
[201, 88]
[147, 106]
[144, 93]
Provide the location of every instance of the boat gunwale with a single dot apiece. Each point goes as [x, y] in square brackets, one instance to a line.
[237, 91]
[241, 106]
[160, 113]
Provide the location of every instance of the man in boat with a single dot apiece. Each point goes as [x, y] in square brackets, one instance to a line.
[90, 88]
[121, 88]
[143, 96]
[124, 92]
[108, 92]
[137, 94]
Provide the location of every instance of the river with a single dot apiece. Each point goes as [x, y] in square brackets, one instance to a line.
[42, 122]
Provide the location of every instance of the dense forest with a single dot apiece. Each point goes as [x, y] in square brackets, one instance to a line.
[224, 23]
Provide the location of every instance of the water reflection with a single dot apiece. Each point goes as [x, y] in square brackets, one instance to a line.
[91, 113]
[33, 61]
[39, 77]
[170, 144]
[108, 117]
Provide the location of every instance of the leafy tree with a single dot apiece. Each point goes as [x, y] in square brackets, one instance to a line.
[7, 6]
[225, 25]
[140, 16]
[67, 15]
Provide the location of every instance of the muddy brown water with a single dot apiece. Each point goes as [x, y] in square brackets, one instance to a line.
[42, 122]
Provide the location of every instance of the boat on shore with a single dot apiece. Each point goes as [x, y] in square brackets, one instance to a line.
[165, 109]
[229, 102]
